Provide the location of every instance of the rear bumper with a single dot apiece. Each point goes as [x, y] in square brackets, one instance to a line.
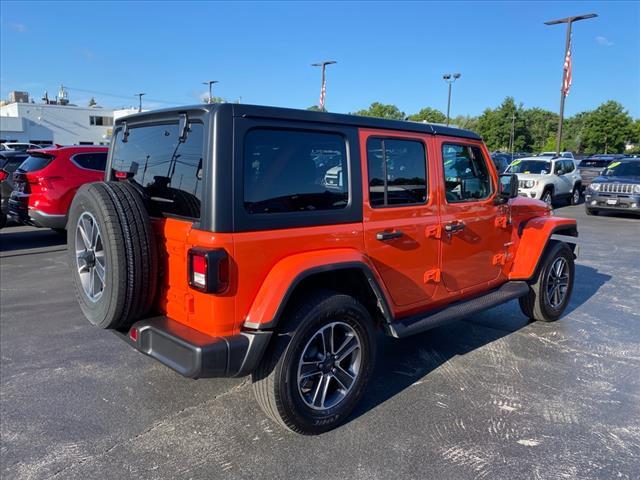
[194, 354]
[19, 211]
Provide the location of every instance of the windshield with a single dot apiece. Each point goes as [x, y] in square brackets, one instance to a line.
[541, 167]
[623, 169]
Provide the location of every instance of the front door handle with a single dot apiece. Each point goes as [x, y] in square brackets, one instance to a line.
[384, 236]
[454, 227]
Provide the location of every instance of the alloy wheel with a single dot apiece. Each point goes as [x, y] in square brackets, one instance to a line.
[90, 258]
[557, 282]
[329, 366]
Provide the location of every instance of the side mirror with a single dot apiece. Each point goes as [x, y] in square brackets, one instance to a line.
[507, 186]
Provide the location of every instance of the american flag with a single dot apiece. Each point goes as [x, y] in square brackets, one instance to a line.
[566, 78]
[323, 92]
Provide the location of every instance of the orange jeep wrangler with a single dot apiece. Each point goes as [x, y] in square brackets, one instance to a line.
[232, 240]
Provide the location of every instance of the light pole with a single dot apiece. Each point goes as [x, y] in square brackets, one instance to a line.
[210, 83]
[323, 87]
[566, 69]
[450, 78]
[513, 133]
[139, 95]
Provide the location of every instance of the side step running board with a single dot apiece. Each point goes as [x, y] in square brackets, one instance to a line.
[420, 323]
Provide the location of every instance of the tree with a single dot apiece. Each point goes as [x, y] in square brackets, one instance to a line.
[495, 126]
[381, 110]
[541, 125]
[465, 121]
[428, 114]
[608, 129]
[315, 108]
[92, 102]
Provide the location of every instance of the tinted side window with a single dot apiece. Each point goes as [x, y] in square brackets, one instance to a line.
[465, 173]
[170, 171]
[92, 161]
[568, 166]
[397, 172]
[294, 171]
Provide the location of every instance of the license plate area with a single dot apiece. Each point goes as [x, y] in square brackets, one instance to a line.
[612, 201]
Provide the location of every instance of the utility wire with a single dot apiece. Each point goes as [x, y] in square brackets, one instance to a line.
[128, 97]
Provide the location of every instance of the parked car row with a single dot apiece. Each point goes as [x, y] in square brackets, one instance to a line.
[38, 185]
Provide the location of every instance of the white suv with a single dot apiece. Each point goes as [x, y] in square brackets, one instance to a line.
[547, 179]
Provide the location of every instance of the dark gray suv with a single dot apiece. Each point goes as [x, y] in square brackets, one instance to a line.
[616, 189]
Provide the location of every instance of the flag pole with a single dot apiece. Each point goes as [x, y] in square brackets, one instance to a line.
[563, 91]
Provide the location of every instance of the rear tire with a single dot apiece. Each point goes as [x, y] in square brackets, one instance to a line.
[550, 290]
[288, 383]
[124, 252]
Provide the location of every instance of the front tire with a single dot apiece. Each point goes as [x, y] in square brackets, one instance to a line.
[547, 197]
[591, 211]
[575, 195]
[316, 370]
[551, 289]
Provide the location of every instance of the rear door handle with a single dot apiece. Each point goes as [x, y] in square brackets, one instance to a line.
[384, 236]
[454, 227]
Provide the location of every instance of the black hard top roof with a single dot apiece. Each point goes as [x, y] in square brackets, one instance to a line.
[258, 111]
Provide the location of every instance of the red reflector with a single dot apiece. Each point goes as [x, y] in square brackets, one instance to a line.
[133, 334]
[3, 175]
[122, 175]
[199, 269]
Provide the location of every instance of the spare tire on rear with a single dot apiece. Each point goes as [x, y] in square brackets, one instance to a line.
[112, 253]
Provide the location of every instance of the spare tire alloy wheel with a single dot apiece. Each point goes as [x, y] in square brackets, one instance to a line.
[90, 257]
[329, 366]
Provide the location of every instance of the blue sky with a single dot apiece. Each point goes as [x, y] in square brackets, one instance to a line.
[260, 52]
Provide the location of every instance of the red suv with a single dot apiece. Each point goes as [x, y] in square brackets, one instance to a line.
[46, 182]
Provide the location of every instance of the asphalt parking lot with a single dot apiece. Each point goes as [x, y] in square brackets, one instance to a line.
[493, 396]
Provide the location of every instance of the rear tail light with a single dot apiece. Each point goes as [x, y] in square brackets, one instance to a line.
[208, 270]
[3, 175]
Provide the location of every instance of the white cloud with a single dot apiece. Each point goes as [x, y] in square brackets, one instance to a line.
[19, 27]
[604, 41]
[87, 54]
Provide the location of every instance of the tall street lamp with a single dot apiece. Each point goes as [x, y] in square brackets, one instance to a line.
[450, 78]
[139, 95]
[323, 88]
[566, 69]
[210, 83]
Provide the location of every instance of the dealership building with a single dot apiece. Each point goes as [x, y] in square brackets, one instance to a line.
[56, 121]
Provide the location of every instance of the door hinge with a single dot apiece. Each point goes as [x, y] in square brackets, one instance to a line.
[434, 231]
[432, 276]
[502, 221]
[501, 258]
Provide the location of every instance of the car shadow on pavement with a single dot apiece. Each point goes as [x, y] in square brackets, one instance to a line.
[407, 362]
[588, 282]
[13, 240]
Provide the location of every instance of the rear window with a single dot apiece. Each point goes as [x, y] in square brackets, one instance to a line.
[170, 171]
[294, 171]
[91, 161]
[33, 163]
[595, 163]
